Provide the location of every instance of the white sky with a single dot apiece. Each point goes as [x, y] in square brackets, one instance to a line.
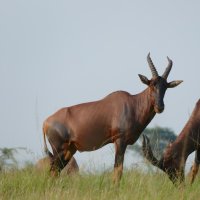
[59, 53]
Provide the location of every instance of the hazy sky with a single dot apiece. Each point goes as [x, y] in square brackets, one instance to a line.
[59, 53]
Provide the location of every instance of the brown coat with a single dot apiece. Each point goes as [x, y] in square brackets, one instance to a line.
[175, 156]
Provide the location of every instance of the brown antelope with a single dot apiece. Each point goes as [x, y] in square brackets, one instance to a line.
[70, 169]
[118, 118]
[173, 160]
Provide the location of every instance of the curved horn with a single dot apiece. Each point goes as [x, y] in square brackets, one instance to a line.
[168, 69]
[152, 67]
[148, 154]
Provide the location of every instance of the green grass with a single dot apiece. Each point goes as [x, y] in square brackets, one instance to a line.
[30, 184]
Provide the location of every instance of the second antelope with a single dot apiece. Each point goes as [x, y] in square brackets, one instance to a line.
[173, 160]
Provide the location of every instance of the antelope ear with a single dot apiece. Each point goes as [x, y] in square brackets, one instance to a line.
[173, 84]
[144, 79]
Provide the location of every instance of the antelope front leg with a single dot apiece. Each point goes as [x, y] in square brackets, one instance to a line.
[120, 148]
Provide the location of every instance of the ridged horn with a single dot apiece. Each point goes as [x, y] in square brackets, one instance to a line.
[152, 67]
[168, 69]
[148, 154]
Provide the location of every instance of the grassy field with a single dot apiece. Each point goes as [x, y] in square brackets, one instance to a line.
[30, 184]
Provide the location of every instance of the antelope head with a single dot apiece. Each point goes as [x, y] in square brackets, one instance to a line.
[169, 163]
[158, 84]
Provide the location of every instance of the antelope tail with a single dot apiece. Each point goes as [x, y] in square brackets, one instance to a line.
[46, 150]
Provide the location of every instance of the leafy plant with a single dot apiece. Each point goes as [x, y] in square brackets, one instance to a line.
[7, 157]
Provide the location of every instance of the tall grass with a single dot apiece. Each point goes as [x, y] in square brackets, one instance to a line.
[30, 184]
